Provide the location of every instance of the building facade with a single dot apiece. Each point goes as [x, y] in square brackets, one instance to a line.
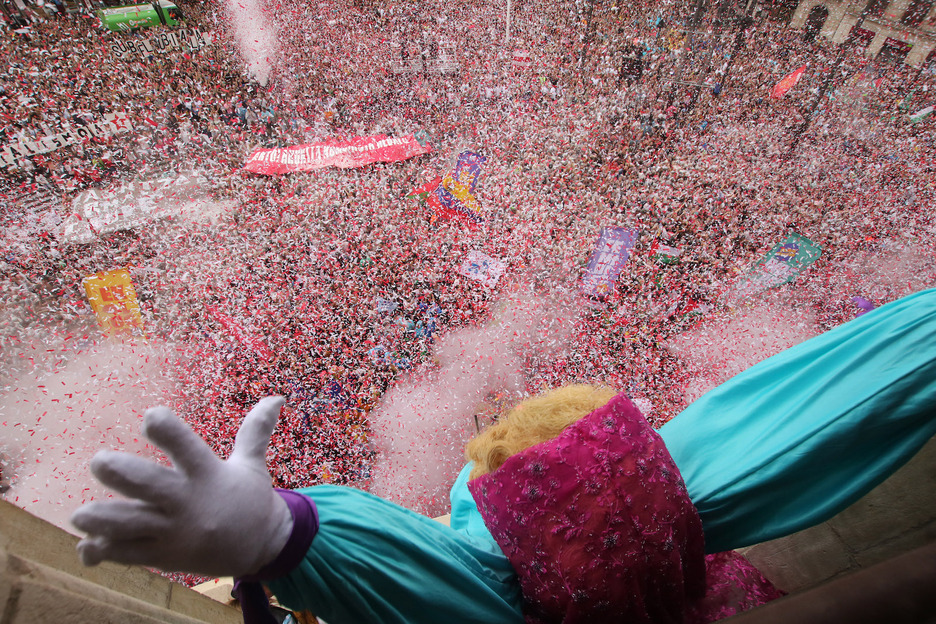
[899, 30]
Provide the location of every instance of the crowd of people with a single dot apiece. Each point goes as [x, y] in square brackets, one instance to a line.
[338, 284]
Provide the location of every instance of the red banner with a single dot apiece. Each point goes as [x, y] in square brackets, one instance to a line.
[787, 83]
[355, 152]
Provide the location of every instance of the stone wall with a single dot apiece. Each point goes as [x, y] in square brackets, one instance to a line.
[41, 580]
[897, 516]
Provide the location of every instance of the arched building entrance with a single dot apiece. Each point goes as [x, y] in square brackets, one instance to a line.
[894, 51]
[814, 23]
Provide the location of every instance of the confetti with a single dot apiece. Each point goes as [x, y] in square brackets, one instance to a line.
[329, 288]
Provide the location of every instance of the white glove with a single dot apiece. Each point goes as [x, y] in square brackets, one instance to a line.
[205, 515]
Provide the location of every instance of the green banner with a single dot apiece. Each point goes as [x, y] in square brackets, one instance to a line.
[140, 15]
[782, 264]
[664, 254]
[921, 114]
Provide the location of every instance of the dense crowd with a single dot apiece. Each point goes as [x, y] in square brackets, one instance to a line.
[573, 143]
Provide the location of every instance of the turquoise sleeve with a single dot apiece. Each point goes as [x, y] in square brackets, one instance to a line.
[800, 436]
[465, 515]
[374, 561]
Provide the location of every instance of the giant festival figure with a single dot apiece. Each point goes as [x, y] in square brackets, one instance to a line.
[571, 508]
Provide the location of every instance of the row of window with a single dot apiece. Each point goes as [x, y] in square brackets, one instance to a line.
[913, 17]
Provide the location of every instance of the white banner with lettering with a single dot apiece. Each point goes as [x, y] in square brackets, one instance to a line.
[113, 123]
[133, 204]
[188, 40]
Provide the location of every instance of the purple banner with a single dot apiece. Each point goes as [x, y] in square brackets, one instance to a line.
[611, 252]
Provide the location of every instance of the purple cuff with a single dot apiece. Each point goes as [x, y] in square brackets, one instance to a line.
[255, 606]
[248, 590]
[305, 526]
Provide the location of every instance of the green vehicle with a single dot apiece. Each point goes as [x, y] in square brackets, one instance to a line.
[158, 13]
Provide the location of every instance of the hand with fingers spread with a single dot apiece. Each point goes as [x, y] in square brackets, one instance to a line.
[204, 515]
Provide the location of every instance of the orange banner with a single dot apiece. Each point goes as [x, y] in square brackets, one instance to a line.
[114, 301]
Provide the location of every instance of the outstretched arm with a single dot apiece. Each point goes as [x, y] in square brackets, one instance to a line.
[371, 561]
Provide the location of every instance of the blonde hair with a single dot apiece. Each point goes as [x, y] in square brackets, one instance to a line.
[532, 421]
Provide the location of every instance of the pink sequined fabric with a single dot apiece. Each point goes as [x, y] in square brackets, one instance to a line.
[599, 527]
[732, 585]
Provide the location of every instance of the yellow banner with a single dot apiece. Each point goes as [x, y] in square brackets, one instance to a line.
[460, 191]
[114, 301]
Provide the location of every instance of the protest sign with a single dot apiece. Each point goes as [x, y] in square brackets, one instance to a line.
[611, 252]
[186, 39]
[782, 264]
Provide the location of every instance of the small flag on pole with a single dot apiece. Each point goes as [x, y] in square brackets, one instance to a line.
[422, 192]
